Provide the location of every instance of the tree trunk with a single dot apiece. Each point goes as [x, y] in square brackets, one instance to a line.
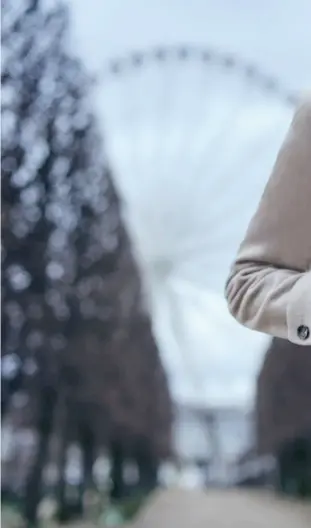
[48, 398]
[147, 468]
[63, 512]
[88, 456]
[294, 468]
[87, 443]
[117, 468]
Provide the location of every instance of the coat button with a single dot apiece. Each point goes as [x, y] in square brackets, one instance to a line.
[303, 332]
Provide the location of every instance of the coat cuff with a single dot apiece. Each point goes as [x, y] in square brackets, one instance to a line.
[299, 311]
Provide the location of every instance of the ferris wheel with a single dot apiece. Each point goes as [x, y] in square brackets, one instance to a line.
[191, 136]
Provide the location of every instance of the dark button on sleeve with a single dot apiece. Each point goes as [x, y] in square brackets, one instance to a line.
[303, 332]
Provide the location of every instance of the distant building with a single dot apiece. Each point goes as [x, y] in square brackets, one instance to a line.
[211, 440]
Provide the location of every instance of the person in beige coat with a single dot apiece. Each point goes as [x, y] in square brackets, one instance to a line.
[269, 287]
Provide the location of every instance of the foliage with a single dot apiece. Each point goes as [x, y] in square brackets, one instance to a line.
[77, 346]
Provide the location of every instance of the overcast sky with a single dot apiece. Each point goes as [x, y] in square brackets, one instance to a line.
[216, 361]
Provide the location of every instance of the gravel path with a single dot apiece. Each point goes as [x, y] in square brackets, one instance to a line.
[222, 509]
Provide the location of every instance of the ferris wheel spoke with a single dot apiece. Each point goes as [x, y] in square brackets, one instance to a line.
[203, 190]
[231, 176]
[188, 117]
[263, 142]
[222, 129]
[206, 324]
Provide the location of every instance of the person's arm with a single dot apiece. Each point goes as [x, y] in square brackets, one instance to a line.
[269, 288]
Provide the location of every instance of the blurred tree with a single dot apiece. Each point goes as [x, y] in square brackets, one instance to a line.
[54, 200]
[75, 336]
[141, 406]
[283, 413]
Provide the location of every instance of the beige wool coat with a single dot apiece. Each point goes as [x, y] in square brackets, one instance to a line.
[269, 287]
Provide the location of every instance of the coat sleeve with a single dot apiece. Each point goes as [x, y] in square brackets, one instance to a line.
[269, 287]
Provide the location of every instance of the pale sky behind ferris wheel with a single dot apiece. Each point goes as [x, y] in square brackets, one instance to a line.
[273, 34]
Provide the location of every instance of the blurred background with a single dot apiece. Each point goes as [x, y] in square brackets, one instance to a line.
[137, 138]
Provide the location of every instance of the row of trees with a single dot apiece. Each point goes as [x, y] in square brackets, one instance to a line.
[75, 334]
[283, 414]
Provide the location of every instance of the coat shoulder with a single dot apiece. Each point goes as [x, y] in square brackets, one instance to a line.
[304, 104]
[301, 122]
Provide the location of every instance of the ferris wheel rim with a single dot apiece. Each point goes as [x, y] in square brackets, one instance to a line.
[127, 68]
[137, 58]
